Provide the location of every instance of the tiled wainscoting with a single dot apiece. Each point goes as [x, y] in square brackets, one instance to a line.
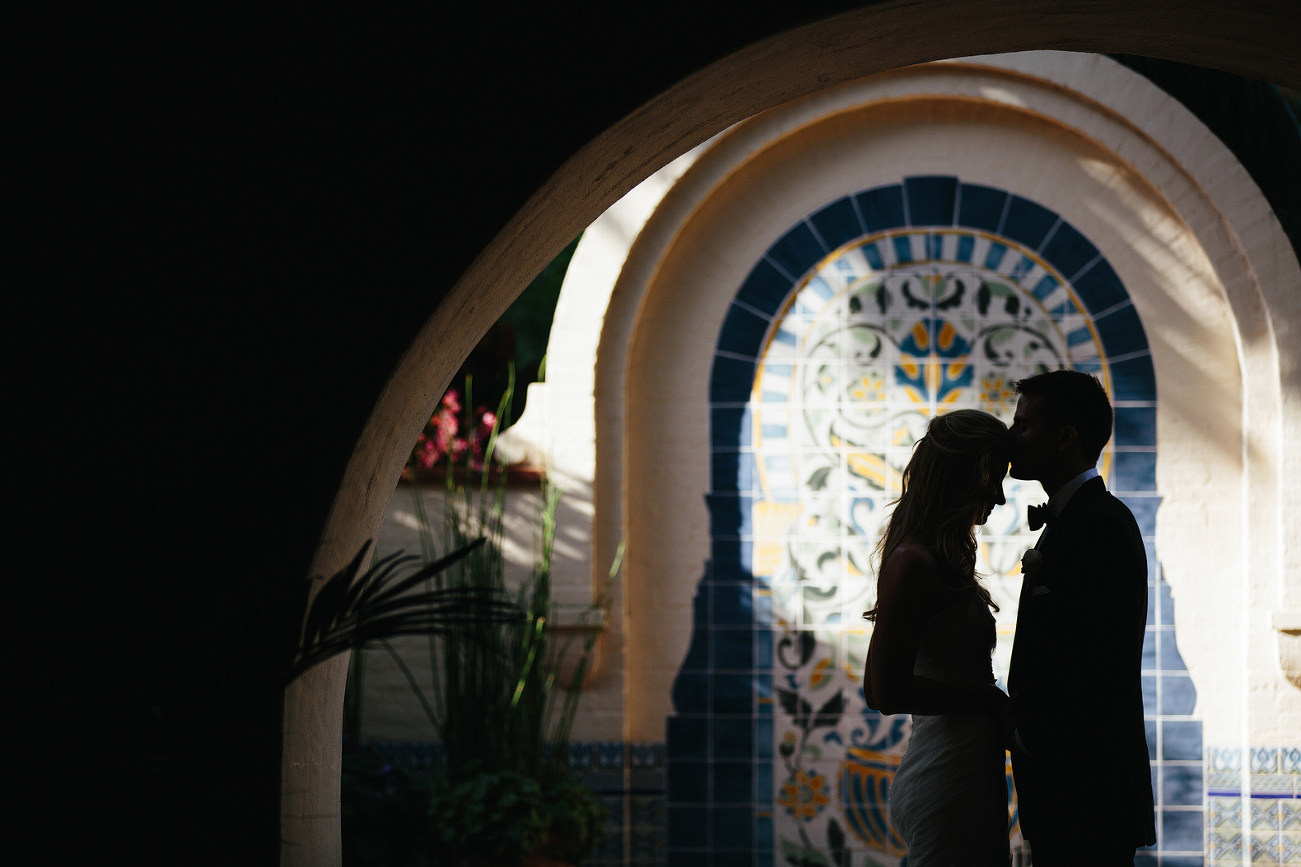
[1174, 735]
[1253, 813]
[1261, 828]
[628, 778]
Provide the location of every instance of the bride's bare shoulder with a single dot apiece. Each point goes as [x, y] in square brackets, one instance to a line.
[910, 557]
[909, 576]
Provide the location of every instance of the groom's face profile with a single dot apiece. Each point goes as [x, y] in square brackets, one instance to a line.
[1034, 440]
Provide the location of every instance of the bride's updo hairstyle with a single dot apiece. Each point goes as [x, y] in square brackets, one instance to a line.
[943, 488]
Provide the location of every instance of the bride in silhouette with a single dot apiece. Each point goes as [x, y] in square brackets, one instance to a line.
[931, 648]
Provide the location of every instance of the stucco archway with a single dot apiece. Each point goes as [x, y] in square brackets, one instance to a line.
[1257, 41]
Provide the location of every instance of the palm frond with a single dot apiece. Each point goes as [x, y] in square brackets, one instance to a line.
[351, 611]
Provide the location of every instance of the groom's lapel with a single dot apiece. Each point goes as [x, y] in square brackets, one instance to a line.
[1087, 492]
[1060, 528]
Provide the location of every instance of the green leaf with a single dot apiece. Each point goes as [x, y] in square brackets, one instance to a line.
[795, 706]
[818, 478]
[836, 840]
[829, 714]
[808, 644]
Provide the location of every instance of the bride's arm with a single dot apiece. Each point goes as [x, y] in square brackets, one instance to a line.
[908, 592]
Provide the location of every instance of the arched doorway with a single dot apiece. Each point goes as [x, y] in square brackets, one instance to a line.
[801, 62]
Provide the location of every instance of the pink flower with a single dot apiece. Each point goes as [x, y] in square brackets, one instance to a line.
[445, 431]
[443, 437]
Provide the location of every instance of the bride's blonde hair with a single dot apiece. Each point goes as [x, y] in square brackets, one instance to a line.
[951, 466]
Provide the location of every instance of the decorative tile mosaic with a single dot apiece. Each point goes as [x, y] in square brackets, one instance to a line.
[852, 331]
[1267, 799]
[1264, 848]
[1264, 760]
[1289, 816]
[1224, 847]
[1264, 814]
[1224, 815]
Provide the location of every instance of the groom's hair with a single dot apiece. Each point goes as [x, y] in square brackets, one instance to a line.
[1071, 398]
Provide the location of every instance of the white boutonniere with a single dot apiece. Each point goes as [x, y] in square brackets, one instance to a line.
[1031, 562]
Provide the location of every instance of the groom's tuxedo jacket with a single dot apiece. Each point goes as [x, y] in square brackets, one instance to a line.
[1075, 677]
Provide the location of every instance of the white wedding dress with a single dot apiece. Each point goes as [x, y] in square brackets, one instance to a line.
[948, 800]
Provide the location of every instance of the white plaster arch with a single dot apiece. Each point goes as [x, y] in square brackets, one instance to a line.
[558, 431]
[1256, 41]
[1212, 196]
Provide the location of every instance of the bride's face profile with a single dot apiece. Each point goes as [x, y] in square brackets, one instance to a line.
[990, 497]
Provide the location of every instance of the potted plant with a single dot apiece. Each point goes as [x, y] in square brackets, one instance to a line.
[503, 714]
[498, 705]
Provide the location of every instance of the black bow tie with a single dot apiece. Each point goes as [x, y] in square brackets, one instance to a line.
[1039, 515]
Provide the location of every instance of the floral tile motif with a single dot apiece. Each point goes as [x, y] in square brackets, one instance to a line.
[1224, 847]
[1224, 813]
[1290, 850]
[609, 755]
[580, 755]
[1264, 760]
[1290, 759]
[805, 794]
[1224, 759]
[1289, 815]
[1264, 814]
[1264, 849]
[647, 755]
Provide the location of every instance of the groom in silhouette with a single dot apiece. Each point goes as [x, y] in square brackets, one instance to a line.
[1075, 722]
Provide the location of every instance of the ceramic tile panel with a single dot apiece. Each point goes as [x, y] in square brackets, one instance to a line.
[1133, 379]
[981, 207]
[1262, 807]
[930, 200]
[863, 321]
[1264, 848]
[1027, 223]
[880, 208]
[765, 288]
[837, 224]
[1289, 816]
[797, 251]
